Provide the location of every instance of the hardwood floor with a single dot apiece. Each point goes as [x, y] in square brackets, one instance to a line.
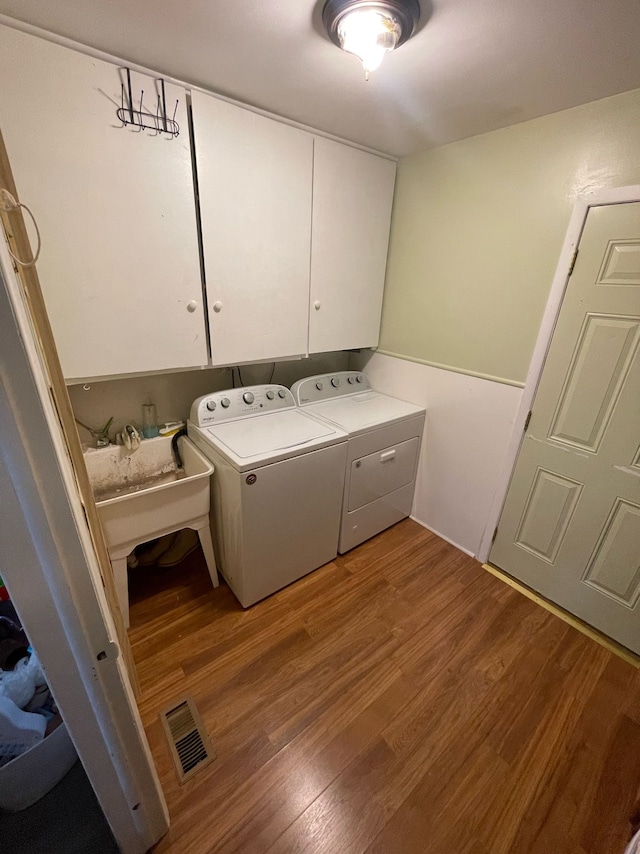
[400, 699]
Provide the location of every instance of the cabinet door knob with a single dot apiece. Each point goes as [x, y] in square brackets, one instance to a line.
[192, 306]
[316, 305]
[217, 307]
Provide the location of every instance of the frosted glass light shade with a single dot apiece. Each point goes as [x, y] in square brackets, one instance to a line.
[368, 34]
[370, 28]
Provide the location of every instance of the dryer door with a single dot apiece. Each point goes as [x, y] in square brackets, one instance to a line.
[381, 473]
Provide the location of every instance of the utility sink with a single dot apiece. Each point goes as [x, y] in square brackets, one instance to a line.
[142, 495]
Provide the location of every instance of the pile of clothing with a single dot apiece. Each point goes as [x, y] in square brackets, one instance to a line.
[27, 710]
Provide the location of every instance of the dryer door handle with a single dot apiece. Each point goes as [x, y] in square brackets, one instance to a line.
[388, 455]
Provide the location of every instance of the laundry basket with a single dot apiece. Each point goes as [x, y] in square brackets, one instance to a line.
[29, 777]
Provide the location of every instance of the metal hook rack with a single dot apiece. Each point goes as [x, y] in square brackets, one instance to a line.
[143, 119]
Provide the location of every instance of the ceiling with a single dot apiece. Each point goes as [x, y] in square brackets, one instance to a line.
[473, 66]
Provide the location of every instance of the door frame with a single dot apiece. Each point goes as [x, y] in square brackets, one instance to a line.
[584, 202]
[52, 573]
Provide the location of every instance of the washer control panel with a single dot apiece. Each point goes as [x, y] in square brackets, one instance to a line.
[328, 386]
[239, 403]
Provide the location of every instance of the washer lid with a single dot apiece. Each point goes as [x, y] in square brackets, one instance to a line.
[250, 442]
[367, 410]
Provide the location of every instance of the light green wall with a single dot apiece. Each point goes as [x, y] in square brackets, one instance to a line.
[478, 226]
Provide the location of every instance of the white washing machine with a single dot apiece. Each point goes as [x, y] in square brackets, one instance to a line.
[276, 489]
[385, 435]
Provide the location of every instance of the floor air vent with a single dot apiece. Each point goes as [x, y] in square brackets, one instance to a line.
[190, 745]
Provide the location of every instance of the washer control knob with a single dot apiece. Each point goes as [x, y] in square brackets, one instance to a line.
[359, 378]
[335, 382]
[282, 393]
[271, 394]
[351, 380]
[211, 405]
[225, 403]
[319, 386]
[248, 397]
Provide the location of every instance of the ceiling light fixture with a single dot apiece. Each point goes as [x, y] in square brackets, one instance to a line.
[370, 28]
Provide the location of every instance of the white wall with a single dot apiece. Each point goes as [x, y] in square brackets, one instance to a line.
[469, 422]
[173, 393]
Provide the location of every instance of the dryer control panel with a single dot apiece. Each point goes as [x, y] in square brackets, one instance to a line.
[329, 386]
[242, 402]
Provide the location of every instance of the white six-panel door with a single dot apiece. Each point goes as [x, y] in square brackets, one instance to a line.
[119, 265]
[570, 528]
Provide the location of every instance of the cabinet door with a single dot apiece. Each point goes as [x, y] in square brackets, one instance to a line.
[254, 180]
[352, 198]
[119, 265]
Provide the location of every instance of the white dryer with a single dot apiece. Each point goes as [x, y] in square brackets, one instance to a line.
[385, 435]
[276, 489]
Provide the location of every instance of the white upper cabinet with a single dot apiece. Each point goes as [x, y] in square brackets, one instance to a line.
[294, 227]
[254, 182]
[352, 199]
[119, 265]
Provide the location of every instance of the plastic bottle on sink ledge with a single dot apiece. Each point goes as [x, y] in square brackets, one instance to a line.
[149, 421]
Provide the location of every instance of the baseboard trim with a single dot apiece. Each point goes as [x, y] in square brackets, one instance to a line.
[614, 647]
[442, 536]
